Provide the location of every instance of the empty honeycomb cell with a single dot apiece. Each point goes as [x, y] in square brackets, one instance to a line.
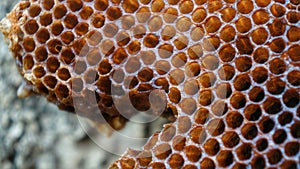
[191, 87]
[258, 162]
[34, 10]
[176, 161]
[39, 71]
[67, 56]
[170, 15]
[194, 51]
[193, 153]
[91, 76]
[168, 133]
[42, 88]
[259, 74]
[228, 14]
[157, 5]
[158, 165]
[295, 129]
[179, 59]
[249, 131]
[291, 148]
[132, 65]
[82, 28]
[244, 45]
[262, 144]
[31, 27]
[46, 19]
[245, 6]
[226, 72]
[216, 127]
[261, 55]
[242, 82]
[285, 118]
[212, 24]
[176, 76]
[291, 98]
[207, 163]
[76, 84]
[272, 105]
[50, 81]
[219, 108]
[293, 16]
[206, 97]
[252, 112]
[80, 66]
[256, 94]
[275, 86]
[62, 91]
[259, 35]
[57, 28]
[174, 95]
[145, 75]
[201, 116]
[277, 45]
[54, 46]
[86, 12]
[28, 44]
[210, 62]
[214, 6]
[184, 124]
[266, 124]
[199, 15]
[63, 74]
[227, 53]
[198, 135]
[225, 158]
[207, 79]
[211, 147]
[293, 34]
[274, 156]
[294, 52]
[234, 119]
[41, 54]
[279, 136]
[192, 69]
[162, 151]
[244, 152]
[260, 17]
[52, 64]
[243, 24]
[230, 139]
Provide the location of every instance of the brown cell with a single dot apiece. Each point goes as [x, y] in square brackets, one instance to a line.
[151, 40]
[193, 153]
[192, 69]
[80, 67]
[168, 32]
[184, 124]
[272, 105]
[259, 74]
[228, 14]
[285, 118]
[277, 45]
[259, 35]
[199, 15]
[230, 139]
[262, 144]
[293, 34]
[198, 135]
[261, 55]
[134, 47]
[183, 24]
[189, 166]
[35, 10]
[295, 129]
[143, 14]
[201, 116]
[260, 17]
[191, 87]
[127, 163]
[277, 66]
[252, 112]
[210, 62]
[288, 164]
[145, 75]
[127, 21]
[195, 51]
[242, 82]
[214, 6]
[275, 86]
[132, 65]
[50, 81]
[82, 28]
[249, 131]
[155, 23]
[148, 57]
[98, 20]
[144, 158]
[57, 28]
[212, 24]
[86, 12]
[46, 19]
[207, 79]
[207, 163]
[113, 13]
[39, 71]
[234, 119]
[178, 143]
[174, 95]
[110, 30]
[28, 44]
[28, 62]
[176, 161]
[258, 162]
[70, 21]
[279, 136]
[168, 133]
[274, 156]
[226, 72]
[225, 158]
[244, 45]
[158, 165]
[122, 38]
[243, 64]
[170, 15]
[262, 3]
[157, 5]
[176, 76]
[31, 27]
[294, 53]
[52, 64]
[62, 91]
[119, 56]
[219, 108]
[291, 148]
[197, 33]
[211, 147]
[67, 56]
[243, 24]
[186, 7]
[291, 98]
[216, 127]
[74, 5]
[244, 151]
[41, 54]
[179, 59]
[228, 33]
[67, 37]
[211, 43]
[206, 97]
[223, 90]
[293, 16]
[266, 124]
[130, 6]
[277, 10]
[239, 166]
[245, 6]
[63, 74]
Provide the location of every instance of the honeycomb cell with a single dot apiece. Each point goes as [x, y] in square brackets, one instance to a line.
[67, 56]
[272, 105]
[82, 28]
[101, 5]
[207, 79]
[197, 33]
[178, 143]
[274, 156]
[110, 30]
[80, 67]
[212, 24]
[214, 6]
[225, 158]
[277, 45]
[74, 5]
[145, 75]
[252, 112]
[176, 76]
[242, 82]
[234, 119]
[86, 12]
[244, 45]
[260, 17]
[244, 152]
[295, 129]
[279, 136]
[262, 3]
[201, 116]
[258, 162]
[259, 35]
[91, 76]
[192, 69]
[52, 64]
[176, 161]
[148, 57]
[113, 13]
[158, 165]
[227, 53]
[183, 24]
[228, 14]
[262, 144]
[193, 153]
[243, 64]
[189, 166]
[28, 62]
[293, 16]
[199, 15]
[223, 90]
[184, 124]
[155, 23]
[266, 124]
[67, 37]
[239, 166]
[98, 20]
[230, 139]
[163, 83]
[191, 87]
[162, 151]
[174, 95]
[144, 158]
[275, 86]
[168, 133]
[151, 40]
[291, 98]
[210, 62]
[194, 52]
[277, 66]
[256, 94]
[285, 118]
[170, 15]
[59, 11]
[198, 135]
[219, 108]
[34, 10]
[294, 53]
[127, 163]
[31, 27]
[211, 147]
[243, 24]
[245, 6]
[130, 6]
[50, 81]
[57, 28]
[165, 50]
[277, 10]
[46, 19]
[62, 91]
[289, 164]
[226, 72]
[259, 74]
[76, 84]
[261, 55]
[211, 43]
[132, 65]
[157, 5]
[291, 148]
[249, 131]
[207, 163]
[39, 71]
[216, 127]
[28, 44]
[206, 97]
[293, 34]
[41, 54]
[168, 32]
[63, 74]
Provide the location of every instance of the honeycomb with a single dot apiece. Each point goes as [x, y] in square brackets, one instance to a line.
[227, 70]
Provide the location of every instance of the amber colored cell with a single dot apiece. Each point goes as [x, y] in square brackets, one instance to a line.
[214, 6]
[174, 95]
[293, 34]
[192, 69]
[127, 163]
[272, 105]
[219, 108]
[157, 5]
[63, 74]
[67, 56]
[28, 44]
[39, 72]
[62, 91]
[86, 12]
[262, 3]
[67, 37]
[162, 151]
[260, 17]
[242, 82]
[211, 43]
[170, 15]
[184, 124]
[201, 116]
[176, 161]
[291, 148]
[179, 59]
[245, 6]
[122, 38]
[198, 135]
[41, 54]
[234, 119]
[144, 158]
[277, 27]
[98, 20]
[34, 10]
[261, 55]
[266, 124]
[228, 14]
[155, 24]
[243, 64]
[176, 76]
[178, 143]
[28, 62]
[189, 166]
[293, 16]
[151, 40]
[113, 13]
[57, 28]
[163, 82]
[54, 46]
[277, 45]
[199, 15]
[277, 10]
[207, 163]
[193, 153]
[197, 33]
[207, 79]
[134, 47]
[294, 52]
[173, 2]
[243, 24]
[143, 14]
[168, 32]
[168, 133]
[230, 139]
[59, 11]
[223, 90]
[145, 75]
[262, 144]
[244, 151]
[288, 164]
[52, 64]
[293, 77]
[227, 33]
[259, 74]
[249, 131]
[285, 118]
[216, 127]
[31, 27]
[132, 65]
[82, 28]
[211, 147]
[227, 53]
[225, 158]
[291, 98]
[259, 35]
[274, 156]
[70, 21]
[46, 19]
[74, 5]
[50, 81]
[256, 94]
[182, 41]
[158, 165]
[107, 47]
[275, 86]
[206, 97]
[101, 5]
[212, 24]
[186, 7]
[226, 72]
[130, 6]
[244, 45]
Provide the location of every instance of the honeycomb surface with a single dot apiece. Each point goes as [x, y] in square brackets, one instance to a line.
[226, 72]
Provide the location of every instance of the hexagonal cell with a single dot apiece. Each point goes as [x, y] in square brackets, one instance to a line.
[176, 161]
[211, 147]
